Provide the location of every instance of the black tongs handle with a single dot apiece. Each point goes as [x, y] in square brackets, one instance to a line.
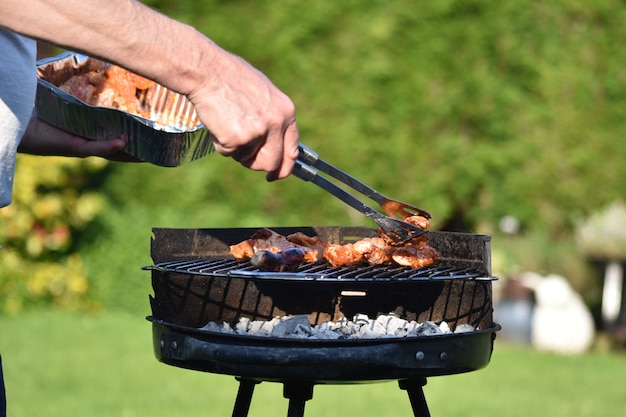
[308, 173]
[311, 158]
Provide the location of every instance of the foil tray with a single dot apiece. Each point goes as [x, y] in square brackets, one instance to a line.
[172, 136]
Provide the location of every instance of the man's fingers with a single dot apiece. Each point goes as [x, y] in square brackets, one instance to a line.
[289, 154]
[248, 153]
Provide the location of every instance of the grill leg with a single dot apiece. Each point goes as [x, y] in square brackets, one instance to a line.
[244, 397]
[413, 387]
[298, 394]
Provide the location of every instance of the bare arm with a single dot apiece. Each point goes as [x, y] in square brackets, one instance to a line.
[253, 121]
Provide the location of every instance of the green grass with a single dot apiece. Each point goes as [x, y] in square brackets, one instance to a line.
[64, 364]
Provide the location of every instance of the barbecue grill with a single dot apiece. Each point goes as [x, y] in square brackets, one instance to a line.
[196, 281]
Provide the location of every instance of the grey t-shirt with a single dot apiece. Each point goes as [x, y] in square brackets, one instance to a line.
[18, 84]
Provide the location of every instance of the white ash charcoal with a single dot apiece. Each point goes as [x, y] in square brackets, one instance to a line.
[227, 329]
[414, 329]
[372, 330]
[341, 322]
[411, 328]
[361, 327]
[289, 325]
[400, 332]
[327, 330]
[269, 326]
[361, 319]
[444, 327]
[392, 323]
[214, 327]
[263, 328]
[464, 328]
[255, 328]
[243, 326]
[347, 329]
[326, 326]
[327, 334]
[343, 326]
[303, 330]
[428, 328]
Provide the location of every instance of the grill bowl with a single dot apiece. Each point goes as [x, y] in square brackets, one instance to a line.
[195, 281]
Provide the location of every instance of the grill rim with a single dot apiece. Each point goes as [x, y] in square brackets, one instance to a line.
[229, 267]
[392, 359]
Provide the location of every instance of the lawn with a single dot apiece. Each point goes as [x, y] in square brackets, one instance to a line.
[65, 364]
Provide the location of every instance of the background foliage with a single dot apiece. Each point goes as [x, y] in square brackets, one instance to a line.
[39, 262]
[473, 110]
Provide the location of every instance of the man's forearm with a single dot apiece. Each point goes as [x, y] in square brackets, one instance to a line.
[120, 31]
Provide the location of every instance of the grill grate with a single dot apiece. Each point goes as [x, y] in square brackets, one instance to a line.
[322, 271]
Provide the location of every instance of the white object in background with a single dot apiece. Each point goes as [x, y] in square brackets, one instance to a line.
[612, 292]
[561, 321]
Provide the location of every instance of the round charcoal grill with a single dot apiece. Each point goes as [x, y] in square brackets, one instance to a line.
[196, 281]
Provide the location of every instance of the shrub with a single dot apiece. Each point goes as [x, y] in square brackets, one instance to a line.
[53, 200]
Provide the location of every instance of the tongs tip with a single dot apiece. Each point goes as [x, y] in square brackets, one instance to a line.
[395, 225]
[400, 210]
[398, 232]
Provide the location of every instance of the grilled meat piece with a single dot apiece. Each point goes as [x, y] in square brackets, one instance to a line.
[414, 257]
[314, 244]
[285, 260]
[376, 250]
[338, 255]
[373, 250]
[416, 220]
[419, 221]
[268, 240]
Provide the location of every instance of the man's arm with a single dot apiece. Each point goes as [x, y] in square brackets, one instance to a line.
[125, 32]
[253, 121]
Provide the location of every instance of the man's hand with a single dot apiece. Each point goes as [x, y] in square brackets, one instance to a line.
[43, 139]
[250, 118]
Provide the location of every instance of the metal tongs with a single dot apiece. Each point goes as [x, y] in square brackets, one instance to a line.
[398, 231]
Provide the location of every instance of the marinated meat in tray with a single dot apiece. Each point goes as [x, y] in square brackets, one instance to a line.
[113, 87]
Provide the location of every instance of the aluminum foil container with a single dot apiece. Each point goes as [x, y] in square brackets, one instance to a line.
[172, 135]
